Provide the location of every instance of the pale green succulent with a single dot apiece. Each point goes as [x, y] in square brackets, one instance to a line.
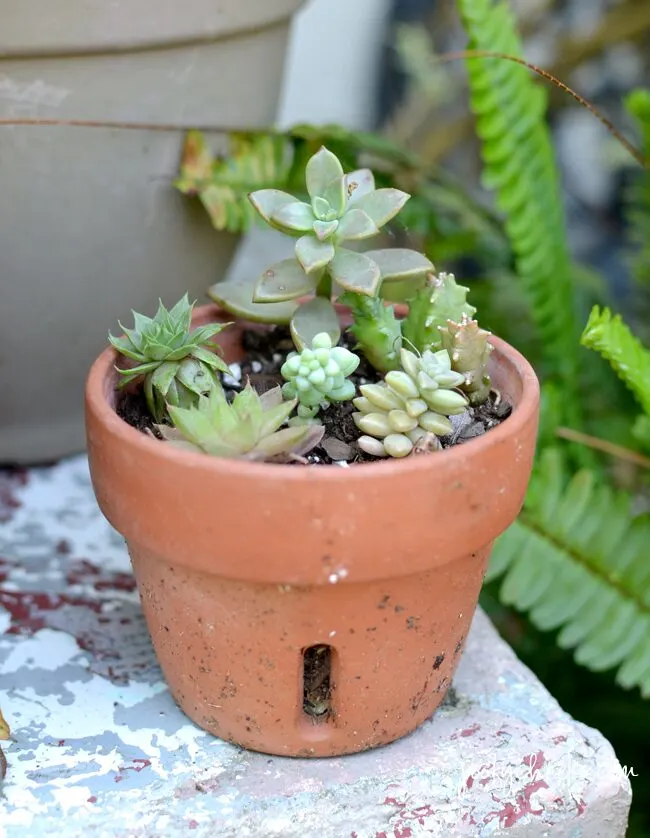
[440, 300]
[249, 428]
[317, 376]
[411, 406]
[469, 349]
[341, 207]
[178, 364]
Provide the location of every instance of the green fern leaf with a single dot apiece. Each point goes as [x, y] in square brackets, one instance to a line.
[641, 431]
[576, 560]
[610, 337]
[638, 104]
[519, 165]
[254, 161]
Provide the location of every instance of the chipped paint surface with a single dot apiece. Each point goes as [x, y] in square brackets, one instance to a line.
[100, 749]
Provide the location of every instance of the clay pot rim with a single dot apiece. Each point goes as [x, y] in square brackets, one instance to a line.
[102, 375]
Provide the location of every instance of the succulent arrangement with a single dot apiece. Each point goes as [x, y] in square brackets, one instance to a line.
[428, 362]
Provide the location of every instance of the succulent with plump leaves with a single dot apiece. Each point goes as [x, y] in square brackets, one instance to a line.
[317, 376]
[469, 349]
[440, 300]
[249, 428]
[341, 207]
[178, 364]
[411, 406]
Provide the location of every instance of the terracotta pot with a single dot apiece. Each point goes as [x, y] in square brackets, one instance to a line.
[243, 567]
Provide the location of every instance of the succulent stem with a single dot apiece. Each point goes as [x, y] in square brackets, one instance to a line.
[324, 287]
[377, 330]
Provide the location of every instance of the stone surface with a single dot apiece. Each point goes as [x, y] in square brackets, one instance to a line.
[101, 750]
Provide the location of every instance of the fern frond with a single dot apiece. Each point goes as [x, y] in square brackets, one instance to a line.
[641, 431]
[638, 214]
[577, 561]
[609, 336]
[254, 161]
[519, 166]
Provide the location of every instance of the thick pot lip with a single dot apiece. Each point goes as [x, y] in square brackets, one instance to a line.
[102, 378]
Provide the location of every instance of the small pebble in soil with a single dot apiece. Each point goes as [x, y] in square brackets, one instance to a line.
[234, 380]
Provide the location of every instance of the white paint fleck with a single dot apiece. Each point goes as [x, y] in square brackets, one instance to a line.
[46, 649]
[71, 797]
[5, 620]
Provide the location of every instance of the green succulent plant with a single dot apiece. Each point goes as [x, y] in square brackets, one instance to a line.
[377, 331]
[249, 428]
[178, 364]
[469, 349]
[317, 376]
[410, 408]
[440, 300]
[341, 207]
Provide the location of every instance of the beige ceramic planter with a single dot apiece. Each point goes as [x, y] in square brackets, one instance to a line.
[246, 570]
[91, 225]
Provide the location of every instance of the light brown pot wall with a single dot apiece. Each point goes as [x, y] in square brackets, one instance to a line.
[242, 566]
[90, 223]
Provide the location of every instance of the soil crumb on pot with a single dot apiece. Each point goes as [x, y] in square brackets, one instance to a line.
[266, 350]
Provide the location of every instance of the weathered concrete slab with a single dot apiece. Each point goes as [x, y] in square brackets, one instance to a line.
[102, 751]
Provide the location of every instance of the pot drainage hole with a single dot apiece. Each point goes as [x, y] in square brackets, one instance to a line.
[316, 682]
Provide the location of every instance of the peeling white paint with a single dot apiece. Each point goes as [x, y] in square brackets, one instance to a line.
[47, 649]
[71, 798]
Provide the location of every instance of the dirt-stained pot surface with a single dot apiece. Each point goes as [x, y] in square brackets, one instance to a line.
[310, 611]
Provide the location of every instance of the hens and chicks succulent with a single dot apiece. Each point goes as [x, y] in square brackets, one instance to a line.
[440, 374]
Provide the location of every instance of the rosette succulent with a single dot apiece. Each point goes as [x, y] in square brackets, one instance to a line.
[341, 207]
[318, 375]
[411, 406]
[469, 349]
[178, 364]
[249, 428]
